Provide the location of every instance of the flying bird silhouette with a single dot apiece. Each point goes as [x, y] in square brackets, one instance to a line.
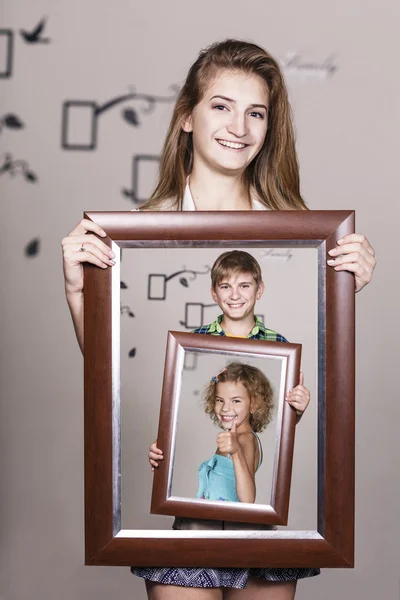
[33, 37]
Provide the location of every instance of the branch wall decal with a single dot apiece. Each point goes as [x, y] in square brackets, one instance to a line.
[71, 108]
[157, 283]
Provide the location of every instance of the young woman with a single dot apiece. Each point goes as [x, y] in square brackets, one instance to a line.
[230, 146]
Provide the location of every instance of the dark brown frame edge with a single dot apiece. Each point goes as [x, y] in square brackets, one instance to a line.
[161, 503]
[333, 544]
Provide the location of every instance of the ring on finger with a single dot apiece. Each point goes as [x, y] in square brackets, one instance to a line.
[82, 249]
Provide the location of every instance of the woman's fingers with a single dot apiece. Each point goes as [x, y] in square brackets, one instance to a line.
[94, 252]
[86, 225]
[354, 254]
[80, 246]
[90, 253]
[81, 257]
[357, 249]
[356, 238]
[75, 242]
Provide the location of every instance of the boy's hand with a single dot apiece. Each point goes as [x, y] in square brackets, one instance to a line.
[155, 455]
[299, 396]
[227, 441]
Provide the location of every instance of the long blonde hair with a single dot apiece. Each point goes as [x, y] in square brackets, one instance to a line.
[274, 172]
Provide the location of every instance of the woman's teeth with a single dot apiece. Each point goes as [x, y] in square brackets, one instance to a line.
[234, 145]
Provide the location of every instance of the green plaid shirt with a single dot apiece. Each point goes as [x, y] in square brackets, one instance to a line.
[259, 331]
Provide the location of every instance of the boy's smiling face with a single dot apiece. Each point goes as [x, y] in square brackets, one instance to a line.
[237, 294]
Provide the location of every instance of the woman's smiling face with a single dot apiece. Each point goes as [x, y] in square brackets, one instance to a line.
[230, 123]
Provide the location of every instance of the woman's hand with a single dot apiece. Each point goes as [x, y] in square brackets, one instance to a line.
[227, 441]
[354, 253]
[94, 251]
[299, 397]
[155, 455]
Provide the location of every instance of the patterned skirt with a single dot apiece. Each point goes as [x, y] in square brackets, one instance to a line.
[218, 578]
[221, 577]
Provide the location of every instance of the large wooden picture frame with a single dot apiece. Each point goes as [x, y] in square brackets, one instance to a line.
[332, 544]
[163, 502]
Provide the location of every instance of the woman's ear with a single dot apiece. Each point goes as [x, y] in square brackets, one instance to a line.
[187, 124]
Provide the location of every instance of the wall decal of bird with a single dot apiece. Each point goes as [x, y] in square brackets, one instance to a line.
[34, 36]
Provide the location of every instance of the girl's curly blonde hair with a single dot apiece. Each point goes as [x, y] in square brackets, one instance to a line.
[258, 387]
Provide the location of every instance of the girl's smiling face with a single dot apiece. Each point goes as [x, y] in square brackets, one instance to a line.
[232, 402]
[230, 123]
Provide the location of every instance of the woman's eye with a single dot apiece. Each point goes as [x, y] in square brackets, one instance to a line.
[220, 107]
[257, 114]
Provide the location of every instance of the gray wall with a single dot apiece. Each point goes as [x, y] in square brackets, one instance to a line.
[288, 305]
[348, 147]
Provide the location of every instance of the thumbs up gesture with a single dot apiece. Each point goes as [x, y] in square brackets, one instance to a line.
[227, 441]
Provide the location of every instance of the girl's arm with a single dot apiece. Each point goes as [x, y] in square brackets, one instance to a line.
[243, 457]
[94, 251]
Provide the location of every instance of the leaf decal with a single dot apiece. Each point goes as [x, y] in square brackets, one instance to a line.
[123, 286]
[132, 353]
[125, 310]
[13, 122]
[30, 176]
[32, 248]
[184, 282]
[128, 193]
[130, 116]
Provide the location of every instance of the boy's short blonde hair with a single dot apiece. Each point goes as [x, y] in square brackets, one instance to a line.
[235, 261]
[258, 388]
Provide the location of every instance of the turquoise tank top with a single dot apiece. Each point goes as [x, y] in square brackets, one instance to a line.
[217, 480]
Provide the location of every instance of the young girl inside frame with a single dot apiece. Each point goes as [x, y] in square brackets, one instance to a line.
[239, 400]
[230, 146]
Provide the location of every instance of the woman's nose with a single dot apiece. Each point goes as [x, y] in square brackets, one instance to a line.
[237, 125]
